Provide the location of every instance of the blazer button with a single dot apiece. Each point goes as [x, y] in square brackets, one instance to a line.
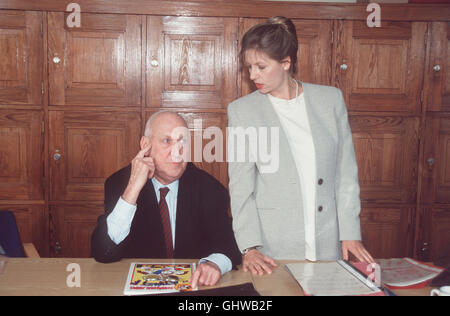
[320, 208]
[320, 181]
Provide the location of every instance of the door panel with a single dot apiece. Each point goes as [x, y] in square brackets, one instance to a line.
[21, 148]
[380, 69]
[191, 62]
[86, 148]
[97, 64]
[386, 150]
[21, 62]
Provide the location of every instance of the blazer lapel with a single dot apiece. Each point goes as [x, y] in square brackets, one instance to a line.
[273, 120]
[316, 125]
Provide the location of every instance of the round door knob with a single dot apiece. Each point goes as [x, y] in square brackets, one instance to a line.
[430, 161]
[57, 156]
[154, 63]
[56, 60]
[437, 68]
[344, 66]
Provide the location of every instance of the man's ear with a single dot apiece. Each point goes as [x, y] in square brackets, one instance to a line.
[145, 141]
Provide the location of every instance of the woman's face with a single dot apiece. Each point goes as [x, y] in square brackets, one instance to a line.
[269, 75]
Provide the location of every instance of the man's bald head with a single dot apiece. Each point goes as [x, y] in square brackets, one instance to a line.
[159, 117]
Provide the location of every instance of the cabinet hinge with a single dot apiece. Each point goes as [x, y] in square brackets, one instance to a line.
[42, 87]
[42, 126]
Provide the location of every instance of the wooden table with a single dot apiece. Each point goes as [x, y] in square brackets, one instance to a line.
[47, 276]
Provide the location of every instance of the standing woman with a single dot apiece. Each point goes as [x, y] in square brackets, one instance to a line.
[309, 207]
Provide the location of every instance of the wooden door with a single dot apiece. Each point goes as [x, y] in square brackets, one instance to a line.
[30, 223]
[437, 73]
[314, 52]
[21, 149]
[388, 230]
[21, 62]
[386, 150]
[96, 64]
[191, 62]
[87, 147]
[436, 160]
[71, 228]
[433, 228]
[380, 69]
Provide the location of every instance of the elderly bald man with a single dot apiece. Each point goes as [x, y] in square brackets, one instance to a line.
[161, 206]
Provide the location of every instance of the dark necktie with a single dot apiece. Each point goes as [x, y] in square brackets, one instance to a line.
[165, 219]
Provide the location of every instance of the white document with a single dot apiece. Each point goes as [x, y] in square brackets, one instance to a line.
[330, 279]
[405, 271]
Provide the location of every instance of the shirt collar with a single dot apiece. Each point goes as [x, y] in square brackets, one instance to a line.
[173, 187]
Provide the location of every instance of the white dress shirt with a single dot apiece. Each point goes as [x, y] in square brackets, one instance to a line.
[119, 222]
[294, 121]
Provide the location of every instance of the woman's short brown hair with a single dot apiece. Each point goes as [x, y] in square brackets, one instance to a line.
[276, 37]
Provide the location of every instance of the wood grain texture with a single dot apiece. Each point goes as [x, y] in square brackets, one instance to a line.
[237, 8]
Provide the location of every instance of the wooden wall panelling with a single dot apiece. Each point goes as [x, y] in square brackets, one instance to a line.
[30, 223]
[237, 8]
[21, 70]
[436, 160]
[314, 54]
[386, 150]
[380, 69]
[440, 232]
[387, 230]
[437, 74]
[191, 62]
[21, 149]
[433, 234]
[91, 146]
[97, 64]
[71, 227]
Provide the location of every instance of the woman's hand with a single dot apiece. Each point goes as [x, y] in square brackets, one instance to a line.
[257, 263]
[357, 249]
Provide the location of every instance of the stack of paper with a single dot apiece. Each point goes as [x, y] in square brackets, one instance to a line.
[331, 279]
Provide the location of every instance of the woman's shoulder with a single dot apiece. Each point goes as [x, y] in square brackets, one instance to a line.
[320, 89]
[246, 102]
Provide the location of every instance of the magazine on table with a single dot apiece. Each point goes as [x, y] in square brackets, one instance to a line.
[154, 278]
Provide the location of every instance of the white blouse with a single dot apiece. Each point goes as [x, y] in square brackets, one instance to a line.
[294, 121]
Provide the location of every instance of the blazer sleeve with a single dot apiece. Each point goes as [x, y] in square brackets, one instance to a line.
[246, 224]
[347, 185]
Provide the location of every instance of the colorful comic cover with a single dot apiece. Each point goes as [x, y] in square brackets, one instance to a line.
[152, 278]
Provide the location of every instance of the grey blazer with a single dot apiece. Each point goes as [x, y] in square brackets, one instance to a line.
[267, 206]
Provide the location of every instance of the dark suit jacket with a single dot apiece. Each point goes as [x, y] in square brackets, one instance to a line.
[203, 226]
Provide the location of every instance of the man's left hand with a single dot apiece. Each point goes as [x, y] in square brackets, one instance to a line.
[207, 273]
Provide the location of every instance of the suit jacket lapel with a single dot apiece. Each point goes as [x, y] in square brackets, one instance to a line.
[271, 117]
[184, 200]
[316, 125]
[148, 223]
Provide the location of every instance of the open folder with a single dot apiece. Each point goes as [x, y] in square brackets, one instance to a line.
[332, 279]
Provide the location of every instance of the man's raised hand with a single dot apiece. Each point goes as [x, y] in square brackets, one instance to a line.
[142, 169]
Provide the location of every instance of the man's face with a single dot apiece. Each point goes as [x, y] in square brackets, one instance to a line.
[170, 148]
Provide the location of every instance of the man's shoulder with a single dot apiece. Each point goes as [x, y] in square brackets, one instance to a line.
[120, 176]
[203, 178]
